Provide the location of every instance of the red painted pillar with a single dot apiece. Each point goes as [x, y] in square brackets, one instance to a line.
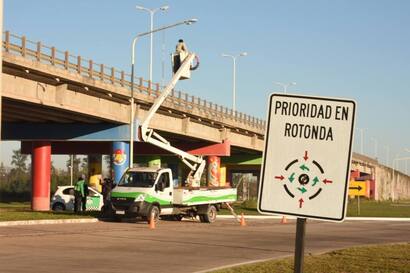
[214, 171]
[41, 168]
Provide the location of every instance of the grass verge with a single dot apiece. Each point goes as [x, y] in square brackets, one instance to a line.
[17, 211]
[370, 259]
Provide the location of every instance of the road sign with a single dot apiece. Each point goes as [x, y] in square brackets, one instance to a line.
[357, 188]
[306, 161]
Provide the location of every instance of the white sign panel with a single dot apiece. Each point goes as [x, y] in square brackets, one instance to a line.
[306, 160]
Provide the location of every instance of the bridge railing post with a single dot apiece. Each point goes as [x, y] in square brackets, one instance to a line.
[157, 90]
[53, 55]
[79, 65]
[23, 46]
[66, 60]
[122, 78]
[186, 101]
[38, 51]
[112, 75]
[7, 41]
[102, 72]
[90, 68]
[141, 84]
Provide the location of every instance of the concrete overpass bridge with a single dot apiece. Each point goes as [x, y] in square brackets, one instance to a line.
[42, 84]
[381, 182]
[55, 102]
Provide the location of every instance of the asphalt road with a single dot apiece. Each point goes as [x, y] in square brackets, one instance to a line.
[186, 246]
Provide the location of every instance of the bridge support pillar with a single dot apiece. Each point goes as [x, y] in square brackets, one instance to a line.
[214, 171]
[120, 159]
[41, 168]
[95, 171]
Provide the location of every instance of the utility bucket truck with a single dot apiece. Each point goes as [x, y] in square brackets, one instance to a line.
[150, 192]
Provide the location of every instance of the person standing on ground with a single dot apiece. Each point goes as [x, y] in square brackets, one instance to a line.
[84, 196]
[78, 194]
[107, 186]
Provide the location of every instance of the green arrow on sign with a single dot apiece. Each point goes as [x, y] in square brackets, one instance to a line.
[303, 190]
[304, 168]
[315, 180]
[292, 177]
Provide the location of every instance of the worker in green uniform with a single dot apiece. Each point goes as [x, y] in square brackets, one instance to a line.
[79, 193]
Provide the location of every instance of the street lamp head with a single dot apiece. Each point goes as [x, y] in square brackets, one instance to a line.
[292, 83]
[140, 7]
[243, 54]
[225, 55]
[191, 21]
[164, 8]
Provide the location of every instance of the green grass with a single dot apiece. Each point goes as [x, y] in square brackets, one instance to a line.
[368, 208]
[378, 209]
[371, 259]
[34, 215]
[16, 211]
[15, 205]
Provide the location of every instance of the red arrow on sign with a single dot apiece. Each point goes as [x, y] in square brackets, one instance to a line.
[280, 177]
[306, 156]
[301, 202]
[326, 181]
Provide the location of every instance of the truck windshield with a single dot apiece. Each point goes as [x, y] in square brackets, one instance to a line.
[138, 179]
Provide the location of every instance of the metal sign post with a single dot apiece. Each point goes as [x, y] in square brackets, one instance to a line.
[299, 245]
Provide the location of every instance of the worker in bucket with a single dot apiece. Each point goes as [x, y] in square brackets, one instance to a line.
[181, 47]
[181, 51]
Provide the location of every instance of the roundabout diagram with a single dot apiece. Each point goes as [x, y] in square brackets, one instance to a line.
[303, 179]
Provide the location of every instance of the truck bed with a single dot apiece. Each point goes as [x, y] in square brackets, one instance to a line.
[206, 195]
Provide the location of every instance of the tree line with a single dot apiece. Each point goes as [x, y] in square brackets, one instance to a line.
[15, 183]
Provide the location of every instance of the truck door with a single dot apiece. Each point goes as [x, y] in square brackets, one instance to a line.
[164, 193]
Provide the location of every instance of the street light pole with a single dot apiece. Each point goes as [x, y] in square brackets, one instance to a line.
[134, 42]
[375, 147]
[285, 85]
[71, 169]
[152, 12]
[361, 139]
[387, 155]
[233, 57]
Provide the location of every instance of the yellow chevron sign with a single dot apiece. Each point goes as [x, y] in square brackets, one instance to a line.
[357, 188]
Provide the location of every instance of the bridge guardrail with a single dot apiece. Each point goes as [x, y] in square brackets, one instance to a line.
[20, 45]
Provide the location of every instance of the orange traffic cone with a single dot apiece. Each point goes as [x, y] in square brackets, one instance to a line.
[243, 223]
[152, 222]
[283, 221]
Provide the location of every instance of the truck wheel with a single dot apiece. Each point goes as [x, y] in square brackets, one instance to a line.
[177, 217]
[210, 215]
[154, 210]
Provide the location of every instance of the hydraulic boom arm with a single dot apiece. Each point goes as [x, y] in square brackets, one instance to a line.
[195, 163]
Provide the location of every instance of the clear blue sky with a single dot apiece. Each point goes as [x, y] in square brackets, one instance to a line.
[350, 49]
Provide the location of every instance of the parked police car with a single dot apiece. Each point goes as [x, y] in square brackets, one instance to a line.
[63, 199]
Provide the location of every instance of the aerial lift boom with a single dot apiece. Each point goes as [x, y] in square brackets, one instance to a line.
[195, 163]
